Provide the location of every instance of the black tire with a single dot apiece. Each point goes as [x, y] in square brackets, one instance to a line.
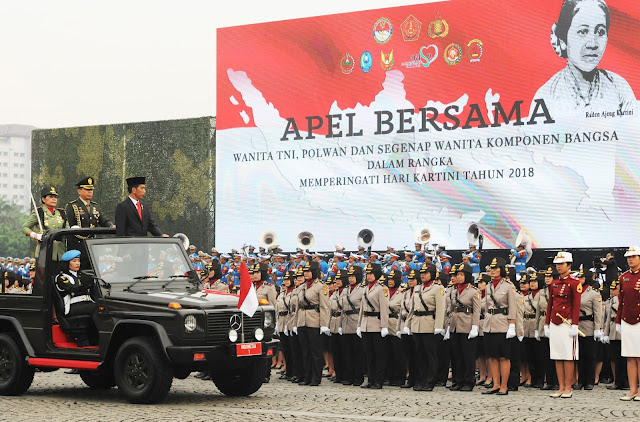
[98, 380]
[142, 372]
[16, 375]
[241, 382]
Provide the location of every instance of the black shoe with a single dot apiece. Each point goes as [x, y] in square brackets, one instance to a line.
[72, 372]
[528, 385]
[441, 384]
[502, 393]
[304, 382]
[396, 384]
[207, 377]
[588, 387]
[496, 391]
[366, 386]
[456, 387]
[614, 387]
[283, 377]
[480, 382]
[345, 382]
[537, 385]
[546, 387]
[376, 387]
[358, 383]
[264, 381]
[418, 387]
[467, 388]
[294, 379]
[314, 384]
[200, 375]
[332, 378]
[577, 386]
[407, 385]
[326, 375]
[490, 385]
[386, 383]
[428, 388]
[512, 388]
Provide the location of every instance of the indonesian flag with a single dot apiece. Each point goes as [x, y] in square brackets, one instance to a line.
[248, 302]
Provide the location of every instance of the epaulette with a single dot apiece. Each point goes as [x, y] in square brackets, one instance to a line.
[60, 209]
[72, 202]
[93, 202]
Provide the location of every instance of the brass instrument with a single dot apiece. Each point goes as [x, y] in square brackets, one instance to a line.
[305, 240]
[566, 321]
[365, 238]
[268, 240]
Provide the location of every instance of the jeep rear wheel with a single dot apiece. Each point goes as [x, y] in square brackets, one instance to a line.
[16, 375]
[241, 382]
[142, 372]
[99, 380]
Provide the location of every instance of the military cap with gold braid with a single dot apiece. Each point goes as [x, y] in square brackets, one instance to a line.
[49, 190]
[86, 183]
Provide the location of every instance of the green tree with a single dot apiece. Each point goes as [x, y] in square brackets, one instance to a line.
[12, 241]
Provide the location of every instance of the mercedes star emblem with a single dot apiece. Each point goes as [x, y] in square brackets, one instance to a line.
[235, 322]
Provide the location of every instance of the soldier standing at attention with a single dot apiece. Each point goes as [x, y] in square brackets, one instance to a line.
[397, 370]
[407, 340]
[590, 323]
[373, 324]
[83, 212]
[612, 340]
[627, 320]
[50, 217]
[500, 325]
[564, 304]
[351, 343]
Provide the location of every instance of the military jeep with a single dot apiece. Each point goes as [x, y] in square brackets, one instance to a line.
[152, 322]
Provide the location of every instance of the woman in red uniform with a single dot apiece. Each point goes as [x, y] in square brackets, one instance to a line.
[628, 318]
[561, 323]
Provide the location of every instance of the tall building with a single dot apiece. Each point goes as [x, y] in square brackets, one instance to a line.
[15, 164]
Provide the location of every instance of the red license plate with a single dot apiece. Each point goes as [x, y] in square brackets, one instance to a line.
[248, 349]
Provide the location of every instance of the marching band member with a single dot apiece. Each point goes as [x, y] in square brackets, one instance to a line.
[564, 305]
[627, 320]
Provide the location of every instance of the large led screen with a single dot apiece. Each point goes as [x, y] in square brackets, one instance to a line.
[512, 115]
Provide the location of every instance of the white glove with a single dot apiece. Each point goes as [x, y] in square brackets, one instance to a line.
[520, 338]
[511, 332]
[619, 328]
[359, 332]
[573, 332]
[286, 331]
[537, 335]
[325, 330]
[407, 331]
[340, 330]
[605, 339]
[275, 330]
[295, 330]
[546, 331]
[398, 334]
[597, 335]
[384, 332]
[438, 331]
[447, 335]
[36, 236]
[474, 332]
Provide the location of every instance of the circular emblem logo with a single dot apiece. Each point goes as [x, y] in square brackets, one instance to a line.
[366, 61]
[347, 63]
[438, 27]
[474, 50]
[382, 30]
[452, 54]
[235, 322]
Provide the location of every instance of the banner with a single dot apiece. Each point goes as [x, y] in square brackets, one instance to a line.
[509, 115]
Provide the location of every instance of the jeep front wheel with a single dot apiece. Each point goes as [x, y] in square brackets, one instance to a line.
[16, 375]
[142, 372]
[241, 382]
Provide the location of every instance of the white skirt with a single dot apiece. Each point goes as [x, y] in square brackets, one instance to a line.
[561, 345]
[630, 340]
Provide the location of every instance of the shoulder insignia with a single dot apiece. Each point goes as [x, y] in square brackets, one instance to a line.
[522, 300]
[64, 279]
[441, 291]
[514, 290]
[479, 296]
[386, 292]
[93, 202]
[72, 202]
[325, 290]
[60, 209]
[579, 288]
[599, 298]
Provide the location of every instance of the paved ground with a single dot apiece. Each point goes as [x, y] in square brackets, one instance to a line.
[59, 397]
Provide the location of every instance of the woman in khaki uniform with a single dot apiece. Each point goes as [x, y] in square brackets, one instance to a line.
[590, 323]
[527, 365]
[540, 302]
[612, 340]
[335, 322]
[282, 313]
[483, 366]
[351, 343]
[292, 327]
[407, 341]
[397, 369]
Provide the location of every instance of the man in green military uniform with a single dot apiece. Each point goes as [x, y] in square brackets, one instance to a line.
[50, 217]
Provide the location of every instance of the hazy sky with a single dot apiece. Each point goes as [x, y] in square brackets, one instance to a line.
[75, 63]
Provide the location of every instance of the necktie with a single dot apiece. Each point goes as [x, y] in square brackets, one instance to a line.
[139, 210]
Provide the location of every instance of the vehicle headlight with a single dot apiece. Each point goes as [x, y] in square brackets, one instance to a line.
[258, 334]
[233, 336]
[190, 323]
[268, 319]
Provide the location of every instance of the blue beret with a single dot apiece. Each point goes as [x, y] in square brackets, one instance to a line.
[69, 255]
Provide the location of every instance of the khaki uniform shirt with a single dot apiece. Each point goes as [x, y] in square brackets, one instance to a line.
[610, 313]
[313, 305]
[483, 304]
[291, 300]
[505, 297]
[350, 314]
[50, 221]
[591, 304]
[395, 308]
[530, 322]
[434, 297]
[540, 303]
[519, 315]
[268, 292]
[465, 315]
[281, 311]
[217, 286]
[374, 300]
[335, 307]
[407, 298]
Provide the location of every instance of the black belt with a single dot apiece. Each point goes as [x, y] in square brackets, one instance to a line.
[335, 314]
[543, 313]
[586, 318]
[424, 313]
[529, 316]
[464, 309]
[613, 319]
[283, 313]
[351, 312]
[375, 314]
[503, 311]
[309, 307]
[393, 314]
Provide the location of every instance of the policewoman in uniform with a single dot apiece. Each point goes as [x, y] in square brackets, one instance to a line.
[463, 328]
[425, 324]
[264, 289]
[564, 305]
[485, 372]
[313, 322]
[499, 325]
[373, 325]
[281, 313]
[612, 339]
[335, 324]
[628, 320]
[50, 217]
[352, 351]
[532, 345]
[76, 294]
[529, 326]
[591, 324]
[540, 302]
[408, 345]
[397, 368]
[294, 365]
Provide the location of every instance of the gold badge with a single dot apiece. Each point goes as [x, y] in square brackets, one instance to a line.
[386, 292]
[441, 291]
[579, 289]
[438, 27]
[90, 181]
[325, 290]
